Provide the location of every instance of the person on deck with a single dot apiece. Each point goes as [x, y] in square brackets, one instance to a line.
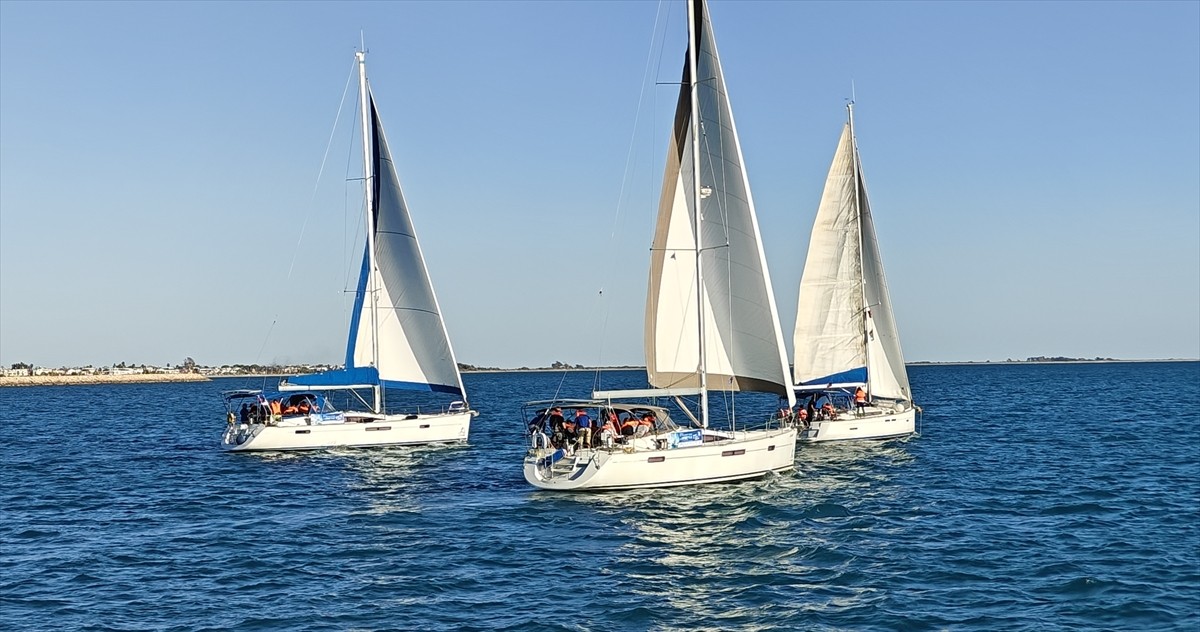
[541, 422]
[610, 430]
[244, 413]
[860, 401]
[558, 429]
[583, 427]
[629, 425]
[645, 425]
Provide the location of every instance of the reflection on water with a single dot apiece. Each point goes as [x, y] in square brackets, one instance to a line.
[700, 549]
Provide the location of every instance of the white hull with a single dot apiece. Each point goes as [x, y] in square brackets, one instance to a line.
[390, 430]
[874, 424]
[745, 455]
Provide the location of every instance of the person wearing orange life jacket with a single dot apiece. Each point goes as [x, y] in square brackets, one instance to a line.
[629, 425]
[276, 408]
[860, 401]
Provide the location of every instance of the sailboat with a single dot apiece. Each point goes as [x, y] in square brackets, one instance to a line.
[711, 322]
[849, 371]
[397, 342]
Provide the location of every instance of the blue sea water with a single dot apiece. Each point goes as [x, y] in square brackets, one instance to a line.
[1035, 497]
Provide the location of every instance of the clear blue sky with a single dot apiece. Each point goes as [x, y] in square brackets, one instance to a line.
[1034, 169]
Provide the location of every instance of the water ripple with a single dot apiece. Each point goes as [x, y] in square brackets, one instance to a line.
[1035, 497]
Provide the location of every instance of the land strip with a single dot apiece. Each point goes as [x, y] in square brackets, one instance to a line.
[136, 378]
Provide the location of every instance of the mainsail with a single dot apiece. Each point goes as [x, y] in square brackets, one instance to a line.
[742, 336]
[845, 330]
[400, 341]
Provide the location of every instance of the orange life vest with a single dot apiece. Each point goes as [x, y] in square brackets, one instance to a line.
[860, 396]
[276, 407]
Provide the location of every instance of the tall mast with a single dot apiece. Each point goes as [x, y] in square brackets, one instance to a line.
[693, 45]
[369, 188]
[858, 213]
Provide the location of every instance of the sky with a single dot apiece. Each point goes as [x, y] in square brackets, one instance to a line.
[173, 183]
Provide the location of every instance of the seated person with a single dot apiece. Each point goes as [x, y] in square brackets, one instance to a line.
[610, 429]
[570, 432]
[645, 425]
[540, 422]
[629, 426]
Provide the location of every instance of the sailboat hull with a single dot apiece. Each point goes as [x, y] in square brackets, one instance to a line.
[877, 424]
[390, 430]
[736, 456]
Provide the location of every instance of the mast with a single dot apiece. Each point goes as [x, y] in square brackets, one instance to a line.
[862, 276]
[693, 44]
[369, 191]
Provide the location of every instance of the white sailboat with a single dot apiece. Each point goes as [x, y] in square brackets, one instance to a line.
[398, 340]
[846, 337]
[711, 319]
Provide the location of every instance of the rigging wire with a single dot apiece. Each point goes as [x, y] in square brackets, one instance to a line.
[311, 209]
[626, 176]
[321, 170]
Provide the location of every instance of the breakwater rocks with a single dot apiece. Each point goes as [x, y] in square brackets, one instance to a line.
[65, 380]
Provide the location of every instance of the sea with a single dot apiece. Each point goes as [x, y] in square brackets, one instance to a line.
[1035, 497]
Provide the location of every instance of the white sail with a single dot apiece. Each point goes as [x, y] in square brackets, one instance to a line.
[886, 372]
[711, 322]
[398, 340]
[845, 330]
[414, 349]
[742, 336]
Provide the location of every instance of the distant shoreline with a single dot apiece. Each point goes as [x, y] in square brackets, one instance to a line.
[168, 378]
[1038, 362]
[69, 380]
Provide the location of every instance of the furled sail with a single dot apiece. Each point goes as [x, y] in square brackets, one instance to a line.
[742, 336]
